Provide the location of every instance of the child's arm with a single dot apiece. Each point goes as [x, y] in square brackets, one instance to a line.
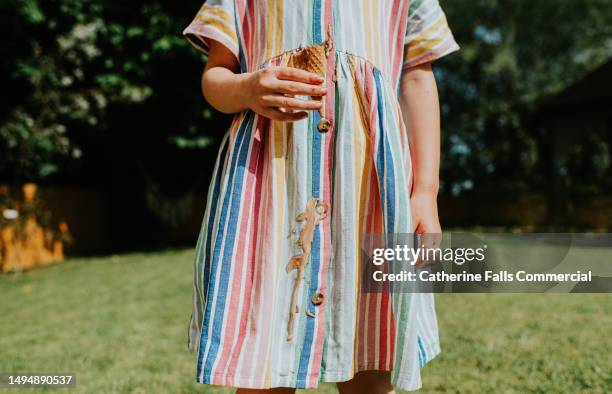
[421, 111]
[264, 91]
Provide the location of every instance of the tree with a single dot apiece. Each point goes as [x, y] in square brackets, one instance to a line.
[514, 53]
[70, 61]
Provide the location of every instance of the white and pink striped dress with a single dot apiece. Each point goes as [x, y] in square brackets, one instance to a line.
[358, 167]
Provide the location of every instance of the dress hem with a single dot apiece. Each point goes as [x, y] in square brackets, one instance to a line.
[406, 383]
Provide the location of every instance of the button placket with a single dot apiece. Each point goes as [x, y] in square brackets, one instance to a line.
[318, 59]
[325, 123]
[314, 213]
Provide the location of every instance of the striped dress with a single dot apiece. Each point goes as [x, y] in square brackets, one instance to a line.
[338, 175]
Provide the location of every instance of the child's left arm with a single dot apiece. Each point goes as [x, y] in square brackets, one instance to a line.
[421, 112]
[428, 38]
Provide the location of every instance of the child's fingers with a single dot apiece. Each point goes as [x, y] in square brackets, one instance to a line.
[418, 264]
[276, 114]
[428, 241]
[291, 103]
[295, 74]
[302, 89]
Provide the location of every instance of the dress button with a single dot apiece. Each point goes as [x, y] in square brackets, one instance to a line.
[317, 299]
[324, 125]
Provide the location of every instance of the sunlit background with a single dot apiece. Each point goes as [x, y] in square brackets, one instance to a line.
[107, 148]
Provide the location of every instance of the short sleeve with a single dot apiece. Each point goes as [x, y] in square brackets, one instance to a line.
[214, 21]
[428, 36]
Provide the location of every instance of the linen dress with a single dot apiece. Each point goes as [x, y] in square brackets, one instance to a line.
[356, 167]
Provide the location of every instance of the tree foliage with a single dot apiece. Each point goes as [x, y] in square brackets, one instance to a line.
[122, 71]
[514, 53]
[69, 61]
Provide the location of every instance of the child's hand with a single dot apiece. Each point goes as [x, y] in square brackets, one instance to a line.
[426, 222]
[269, 92]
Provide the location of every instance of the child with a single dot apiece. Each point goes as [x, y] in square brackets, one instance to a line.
[326, 94]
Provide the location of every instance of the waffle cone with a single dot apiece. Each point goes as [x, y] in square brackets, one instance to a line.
[311, 59]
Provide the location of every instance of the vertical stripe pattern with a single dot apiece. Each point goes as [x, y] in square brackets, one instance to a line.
[266, 172]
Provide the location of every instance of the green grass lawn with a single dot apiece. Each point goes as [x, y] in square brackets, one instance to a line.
[120, 323]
